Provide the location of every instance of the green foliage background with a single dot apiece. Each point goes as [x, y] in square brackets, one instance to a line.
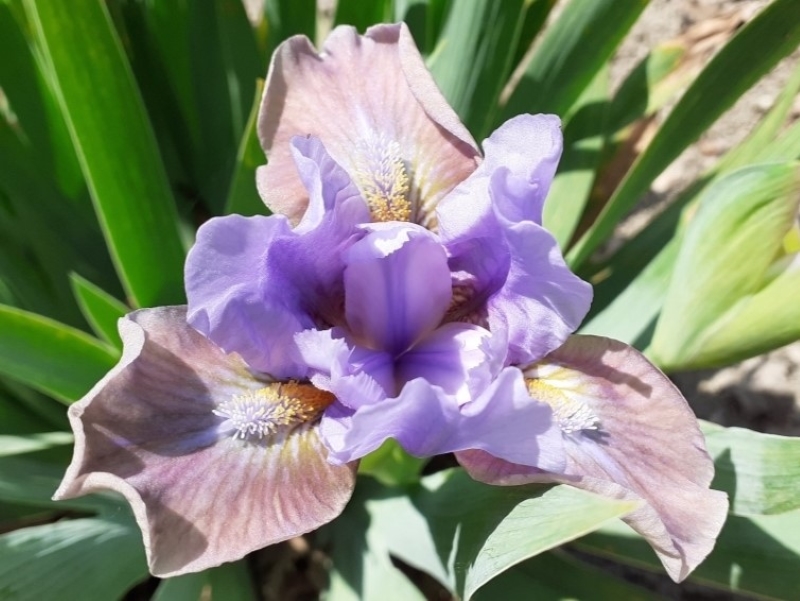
[125, 124]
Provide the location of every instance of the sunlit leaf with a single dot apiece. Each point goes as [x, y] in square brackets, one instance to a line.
[116, 146]
[573, 50]
[552, 577]
[775, 32]
[465, 533]
[722, 303]
[17, 445]
[391, 465]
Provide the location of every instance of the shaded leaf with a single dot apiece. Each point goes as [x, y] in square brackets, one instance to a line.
[757, 555]
[49, 356]
[243, 196]
[99, 308]
[100, 555]
[552, 576]
[760, 472]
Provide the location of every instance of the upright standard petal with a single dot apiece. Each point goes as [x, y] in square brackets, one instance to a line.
[214, 462]
[628, 433]
[491, 226]
[511, 183]
[376, 108]
[397, 287]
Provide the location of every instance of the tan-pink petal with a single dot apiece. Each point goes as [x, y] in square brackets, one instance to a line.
[629, 434]
[376, 109]
[200, 495]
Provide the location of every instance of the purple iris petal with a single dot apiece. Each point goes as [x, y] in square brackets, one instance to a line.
[252, 283]
[397, 285]
[427, 421]
[453, 357]
[542, 302]
[522, 156]
[224, 285]
[516, 274]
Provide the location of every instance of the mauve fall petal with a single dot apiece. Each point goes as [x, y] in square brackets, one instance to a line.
[376, 109]
[628, 433]
[201, 495]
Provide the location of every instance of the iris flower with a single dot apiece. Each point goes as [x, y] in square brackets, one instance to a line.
[405, 288]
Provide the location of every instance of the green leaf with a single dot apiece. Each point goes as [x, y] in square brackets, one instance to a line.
[722, 304]
[100, 309]
[391, 465]
[465, 533]
[557, 576]
[757, 555]
[32, 482]
[15, 418]
[775, 32]
[362, 568]
[759, 144]
[570, 55]
[243, 196]
[115, 144]
[17, 445]
[70, 559]
[583, 142]
[362, 15]
[491, 63]
[189, 587]
[45, 408]
[646, 88]
[425, 20]
[49, 356]
[227, 63]
[451, 62]
[760, 472]
[629, 316]
[286, 18]
[228, 582]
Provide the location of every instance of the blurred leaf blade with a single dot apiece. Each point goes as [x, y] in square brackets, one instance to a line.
[583, 144]
[18, 445]
[243, 196]
[100, 309]
[723, 263]
[129, 187]
[49, 356]
[561, 69]
[735, 68]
